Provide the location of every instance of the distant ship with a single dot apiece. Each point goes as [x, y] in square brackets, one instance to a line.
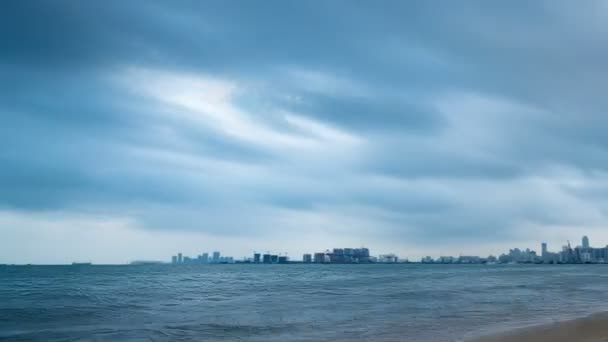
[81, 264]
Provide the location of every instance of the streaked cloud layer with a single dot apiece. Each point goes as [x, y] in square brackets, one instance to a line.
[414, 127]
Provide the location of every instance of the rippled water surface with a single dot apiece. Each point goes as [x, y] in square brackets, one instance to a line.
[291, 302]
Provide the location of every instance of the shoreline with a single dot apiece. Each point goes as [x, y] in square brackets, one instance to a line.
[592, 328]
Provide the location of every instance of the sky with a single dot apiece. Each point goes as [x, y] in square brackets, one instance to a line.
[139, 129]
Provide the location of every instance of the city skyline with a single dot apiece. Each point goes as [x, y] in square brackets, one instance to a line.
[567, 253]
[132, 129]
[583, 253]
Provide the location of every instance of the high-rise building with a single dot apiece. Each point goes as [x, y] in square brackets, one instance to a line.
[585, 242]
[266, 258]
[205, 259]
[544, 249]
[179, 258]
[174, 259]
[319, 258]
[349, 255]
[216, 257]
[362, 255]
[307, 258]
[274, 259]
[337, 257]
[256, 258]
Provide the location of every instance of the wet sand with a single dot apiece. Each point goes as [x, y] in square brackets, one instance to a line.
[589, 329]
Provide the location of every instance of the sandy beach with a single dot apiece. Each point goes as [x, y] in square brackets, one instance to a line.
[589, 329]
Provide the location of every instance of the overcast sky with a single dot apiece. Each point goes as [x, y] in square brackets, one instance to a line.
[137, 129]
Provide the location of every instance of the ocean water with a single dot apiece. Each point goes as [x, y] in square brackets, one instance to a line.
[291, 302]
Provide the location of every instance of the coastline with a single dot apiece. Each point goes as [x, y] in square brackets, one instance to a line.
[592, 328]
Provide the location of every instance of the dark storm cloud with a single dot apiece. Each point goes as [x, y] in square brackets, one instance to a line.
[450, 120]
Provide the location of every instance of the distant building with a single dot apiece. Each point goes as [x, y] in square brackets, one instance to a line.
[307, 258]
[361, 255]
[256, 258]
[586, 257]
[469, 259]
[349, 256]
[266, 258]
[179, 258]
[585, 242]
[283, 260]
[274, 259]
[388, 258]
[446, 259]
[337, 256]
[174, 259]
[319, 258]
[205, 258]
[216, 257]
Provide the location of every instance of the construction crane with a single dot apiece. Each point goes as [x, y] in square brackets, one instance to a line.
[573, 254]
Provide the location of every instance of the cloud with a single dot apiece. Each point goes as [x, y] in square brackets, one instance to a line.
[205, 101]
[461, 128]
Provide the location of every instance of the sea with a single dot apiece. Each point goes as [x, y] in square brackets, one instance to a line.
[294, 302]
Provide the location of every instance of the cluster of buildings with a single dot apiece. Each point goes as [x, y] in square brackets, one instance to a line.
[519, 256]
[582, 254]
[335, 256]
[463, 259]
[348, 256]
[205, 258]
[339, 256]
[268, 258]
